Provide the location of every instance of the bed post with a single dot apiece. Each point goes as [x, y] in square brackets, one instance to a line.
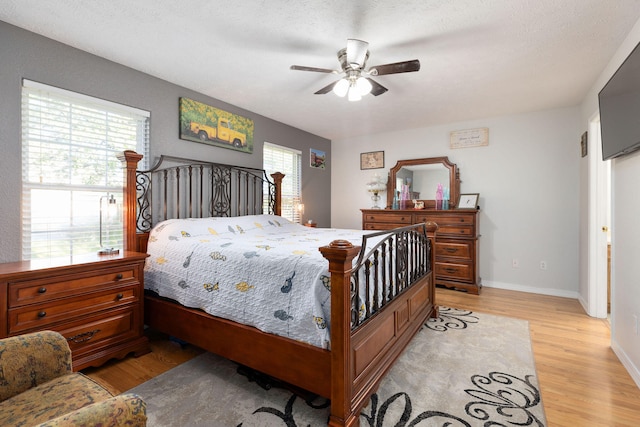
[277, 180]
[340, 254]
[130, 161]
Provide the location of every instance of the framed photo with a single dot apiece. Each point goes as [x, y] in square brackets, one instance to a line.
[317, 158]
[468, 201]
[583, 144]
[372, 160]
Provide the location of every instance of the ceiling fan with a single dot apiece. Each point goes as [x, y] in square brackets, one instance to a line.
[356, 81]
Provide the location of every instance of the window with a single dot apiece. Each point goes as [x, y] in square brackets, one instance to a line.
[288, 161]
[70, 170]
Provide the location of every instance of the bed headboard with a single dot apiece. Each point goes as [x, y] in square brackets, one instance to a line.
[183, 188]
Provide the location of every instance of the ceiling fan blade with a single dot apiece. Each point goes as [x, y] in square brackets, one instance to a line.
[317, 70]
[356, 52]
[326, 89]
[395, 68]
[376, 88]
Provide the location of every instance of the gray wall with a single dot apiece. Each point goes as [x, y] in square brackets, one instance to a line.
[26, 55]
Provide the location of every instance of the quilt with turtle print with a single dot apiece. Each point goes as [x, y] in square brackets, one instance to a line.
[258, 270]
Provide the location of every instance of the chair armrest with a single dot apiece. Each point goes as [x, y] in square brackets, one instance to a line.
[32, 359]
[123, 410]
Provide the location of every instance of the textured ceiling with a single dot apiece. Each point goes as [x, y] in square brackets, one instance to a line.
[480, 58]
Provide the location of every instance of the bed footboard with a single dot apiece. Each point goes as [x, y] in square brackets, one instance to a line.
[370, 329]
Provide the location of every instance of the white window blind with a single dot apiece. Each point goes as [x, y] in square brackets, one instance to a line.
[288, 161]
[69, 168]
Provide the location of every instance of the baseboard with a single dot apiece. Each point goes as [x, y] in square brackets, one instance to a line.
[532, 289]
[626, 362]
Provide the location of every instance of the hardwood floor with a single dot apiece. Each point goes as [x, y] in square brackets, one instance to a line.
[582, 381]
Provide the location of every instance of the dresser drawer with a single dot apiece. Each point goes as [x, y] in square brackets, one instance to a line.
[42, 316]
[397, 218]
[462, 250]
[456, 271]
[447, 219]
[46, 289]
[381, 226]
[93, 331]
[454, 230]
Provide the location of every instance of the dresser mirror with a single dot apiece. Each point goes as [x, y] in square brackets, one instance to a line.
[423, 177]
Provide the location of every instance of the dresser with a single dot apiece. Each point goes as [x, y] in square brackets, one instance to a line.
[456, 248]
[94, 301]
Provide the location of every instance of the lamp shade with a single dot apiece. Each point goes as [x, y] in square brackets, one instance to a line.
[341, 87]
[364, 86]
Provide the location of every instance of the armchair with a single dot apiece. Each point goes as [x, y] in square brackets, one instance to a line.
[38, 388]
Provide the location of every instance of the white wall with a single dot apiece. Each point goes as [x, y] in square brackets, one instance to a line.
[528, 180]
[625, 230]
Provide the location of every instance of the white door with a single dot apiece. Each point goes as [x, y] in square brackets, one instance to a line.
[599, 222]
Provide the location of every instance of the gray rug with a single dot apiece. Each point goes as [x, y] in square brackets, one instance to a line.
[462, 369]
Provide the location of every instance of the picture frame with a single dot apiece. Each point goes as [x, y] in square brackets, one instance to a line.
[317, 158]
[468, 201]
[209, 125]
[583, 144]
[372, 160]
[469, 138]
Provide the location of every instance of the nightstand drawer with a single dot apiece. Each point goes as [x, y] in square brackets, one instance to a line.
[460, 250]
[42, 316]
[51, 288]
[448, 270]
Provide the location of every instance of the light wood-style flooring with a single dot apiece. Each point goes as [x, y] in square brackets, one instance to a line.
[581, 379]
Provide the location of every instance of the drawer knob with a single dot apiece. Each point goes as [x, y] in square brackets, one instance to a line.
[42, 290]
[119, 296]
[451, 250]
[119, 276]
[42, 314]
[451, 270]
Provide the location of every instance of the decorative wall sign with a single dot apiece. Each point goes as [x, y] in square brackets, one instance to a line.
[209, 125]
[372, 160]
[317, 159]
[469, 138]
[583, 144]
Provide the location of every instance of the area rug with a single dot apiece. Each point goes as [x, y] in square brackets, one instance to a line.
[461, 369]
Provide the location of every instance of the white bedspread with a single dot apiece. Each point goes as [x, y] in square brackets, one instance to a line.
[259, 270]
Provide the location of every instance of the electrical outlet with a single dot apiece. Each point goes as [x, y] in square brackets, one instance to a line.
[515, 263]
[543, 265]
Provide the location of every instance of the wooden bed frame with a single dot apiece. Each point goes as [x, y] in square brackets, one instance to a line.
[361, 352]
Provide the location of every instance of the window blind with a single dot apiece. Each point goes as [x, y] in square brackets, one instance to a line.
[69, 168]
[277, 158]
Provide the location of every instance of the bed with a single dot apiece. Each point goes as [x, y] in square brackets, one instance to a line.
[380, 292]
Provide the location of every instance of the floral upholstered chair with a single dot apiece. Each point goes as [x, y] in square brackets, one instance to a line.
[38, 388]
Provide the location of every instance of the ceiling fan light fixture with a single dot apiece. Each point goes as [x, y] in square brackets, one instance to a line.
[354, 93]
[363, 85]
[341, 88]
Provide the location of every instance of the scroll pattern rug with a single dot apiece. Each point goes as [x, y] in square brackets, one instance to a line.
[461, 369]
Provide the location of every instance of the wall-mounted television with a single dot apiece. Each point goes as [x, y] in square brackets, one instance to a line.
[619, 103]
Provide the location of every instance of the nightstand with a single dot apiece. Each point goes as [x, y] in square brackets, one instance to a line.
[95, 301]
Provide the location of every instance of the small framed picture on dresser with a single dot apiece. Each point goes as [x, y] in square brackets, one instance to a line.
[468, 201]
